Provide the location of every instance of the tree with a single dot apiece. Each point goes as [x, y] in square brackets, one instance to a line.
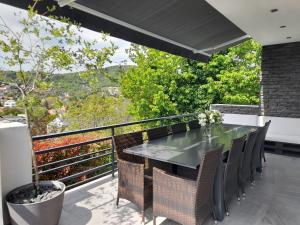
[161, 84]
[235, 75]
[96, 110]
[11, 111]
[41, 110]
[43, 48]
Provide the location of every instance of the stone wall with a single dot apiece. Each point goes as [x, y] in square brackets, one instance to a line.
[280, 90]
[236, 109]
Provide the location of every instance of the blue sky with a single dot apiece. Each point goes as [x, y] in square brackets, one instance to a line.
[7, 14]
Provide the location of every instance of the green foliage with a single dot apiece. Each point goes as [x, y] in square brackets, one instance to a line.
[44, 48]
[163, 84]
[73, 84]
[11, 111]
[38, 107]
[96, 110]
[236, 80]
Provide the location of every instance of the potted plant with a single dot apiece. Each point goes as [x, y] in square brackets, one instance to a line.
[40, 50]
[35, 206]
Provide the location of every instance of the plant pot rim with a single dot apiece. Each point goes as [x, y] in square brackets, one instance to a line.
[63, 186]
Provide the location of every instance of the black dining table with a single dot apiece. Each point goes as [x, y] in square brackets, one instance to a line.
[184, 150]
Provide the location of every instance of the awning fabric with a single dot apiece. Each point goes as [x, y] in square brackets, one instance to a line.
[189, 28]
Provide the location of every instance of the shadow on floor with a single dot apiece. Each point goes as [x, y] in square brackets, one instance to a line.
[82, 216]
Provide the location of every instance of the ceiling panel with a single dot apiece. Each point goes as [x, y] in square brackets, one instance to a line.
[256, 18]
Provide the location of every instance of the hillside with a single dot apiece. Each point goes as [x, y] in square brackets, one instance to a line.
[72, 84]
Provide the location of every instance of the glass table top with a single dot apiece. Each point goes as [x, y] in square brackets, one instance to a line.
[185, 149]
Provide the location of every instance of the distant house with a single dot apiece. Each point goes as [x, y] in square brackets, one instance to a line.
[3, 91]
[56, 125]
[113, 91]
[10, 104]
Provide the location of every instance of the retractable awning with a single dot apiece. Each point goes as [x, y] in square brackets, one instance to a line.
[189, 28]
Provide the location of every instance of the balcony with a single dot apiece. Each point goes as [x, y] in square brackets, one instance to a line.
[81, 156]
[87, 164]
[273, 200]
[92, 190]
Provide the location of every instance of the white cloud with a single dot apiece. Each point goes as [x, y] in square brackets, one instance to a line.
[7, 13]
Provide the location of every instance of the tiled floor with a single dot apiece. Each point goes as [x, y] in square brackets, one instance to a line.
[274, 200]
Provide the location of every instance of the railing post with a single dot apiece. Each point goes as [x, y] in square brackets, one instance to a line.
[113, 151]
[161, 123]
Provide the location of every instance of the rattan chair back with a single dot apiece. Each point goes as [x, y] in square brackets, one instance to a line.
[124, 141]
[245, 171]
[256, 155]
[210, 161]
[194, 124]
[186, 201]
[231, 186]
[157, 132]
[178, 127]
[266, 128]
[258, 151]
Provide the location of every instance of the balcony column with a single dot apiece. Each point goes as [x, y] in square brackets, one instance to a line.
[280, 91]
[15, 161]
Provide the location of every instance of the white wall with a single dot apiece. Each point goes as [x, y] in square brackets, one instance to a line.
[281, 129]
[15, 161]
[240, 119]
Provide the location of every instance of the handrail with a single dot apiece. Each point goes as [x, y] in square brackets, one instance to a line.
[72, 145]
[72, 158]
[104, 169]
[47, 136]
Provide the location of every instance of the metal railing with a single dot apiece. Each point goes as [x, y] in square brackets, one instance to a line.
[86, 173]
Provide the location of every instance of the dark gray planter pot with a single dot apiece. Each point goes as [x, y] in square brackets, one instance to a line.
[42, 213]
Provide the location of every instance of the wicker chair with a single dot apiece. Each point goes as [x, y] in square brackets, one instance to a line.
[134, 186]
[245, 169]
[256, 155]
[266, 128]
[258, 151]
[194, 124]
[178, 127]
[186, 201]
[133, 183]
[157, 132]
[231, 185]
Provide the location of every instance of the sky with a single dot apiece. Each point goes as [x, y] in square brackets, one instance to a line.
[8, 15]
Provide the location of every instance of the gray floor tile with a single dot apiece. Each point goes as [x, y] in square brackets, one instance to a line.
[274, 200]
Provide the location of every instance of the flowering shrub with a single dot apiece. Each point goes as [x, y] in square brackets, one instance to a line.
[210, 117]
[52, 157]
